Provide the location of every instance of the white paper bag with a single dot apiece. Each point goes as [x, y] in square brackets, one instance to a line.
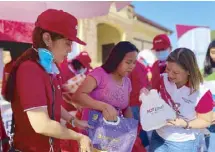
[154, 111]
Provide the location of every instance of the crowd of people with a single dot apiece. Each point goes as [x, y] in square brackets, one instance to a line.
[51, 114]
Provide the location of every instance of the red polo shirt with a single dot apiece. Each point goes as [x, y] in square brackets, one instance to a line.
[65, 71]
[139, 80]
[157, 69]
[69, 145]
[33, 91]
[67, 74]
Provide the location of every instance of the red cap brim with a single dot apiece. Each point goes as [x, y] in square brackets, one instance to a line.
[79, 41]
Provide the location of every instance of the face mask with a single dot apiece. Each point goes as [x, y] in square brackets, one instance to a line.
[162, 55]
[82, 71]
[46, 61]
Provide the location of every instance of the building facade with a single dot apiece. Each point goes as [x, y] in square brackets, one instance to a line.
[102, 33]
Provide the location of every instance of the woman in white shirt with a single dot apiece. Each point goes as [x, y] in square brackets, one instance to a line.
[181, 87]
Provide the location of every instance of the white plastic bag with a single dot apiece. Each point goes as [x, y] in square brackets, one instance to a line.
[154, 111]
[72, 84]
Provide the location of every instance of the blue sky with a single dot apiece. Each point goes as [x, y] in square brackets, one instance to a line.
[169, 13]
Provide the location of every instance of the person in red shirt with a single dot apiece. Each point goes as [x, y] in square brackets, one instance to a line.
[34, 87]
[147, 67]
[162, 48]
[139, 79]
[69, 69]
[80, 64]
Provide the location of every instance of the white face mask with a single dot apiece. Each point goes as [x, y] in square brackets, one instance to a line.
[162, 55]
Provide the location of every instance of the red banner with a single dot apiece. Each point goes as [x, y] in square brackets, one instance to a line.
[16, 31]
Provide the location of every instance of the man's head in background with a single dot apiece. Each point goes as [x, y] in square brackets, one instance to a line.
[161, 46]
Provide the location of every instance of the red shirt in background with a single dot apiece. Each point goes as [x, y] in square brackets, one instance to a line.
[139, 79]
[65, 71]
[66, 75]
[69, 145]
[157, 68]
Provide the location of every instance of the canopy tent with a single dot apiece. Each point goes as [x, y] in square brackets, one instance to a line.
[28, 11]
[17, 18]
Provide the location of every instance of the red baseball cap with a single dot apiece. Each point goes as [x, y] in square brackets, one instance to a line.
[85, 59]
[161, 42]
[59, 22]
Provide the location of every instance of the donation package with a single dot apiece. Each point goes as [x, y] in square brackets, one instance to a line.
[154, 111]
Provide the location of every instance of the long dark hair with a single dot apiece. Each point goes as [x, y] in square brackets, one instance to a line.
[30, 54]
[76, 64]
[208, 63]
[117, 54]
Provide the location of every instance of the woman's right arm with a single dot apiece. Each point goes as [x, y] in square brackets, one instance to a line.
[42, 124]
[82, 98]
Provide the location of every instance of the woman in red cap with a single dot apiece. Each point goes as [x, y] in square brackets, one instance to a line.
[78, 65]
[69, 69]
[34, 87]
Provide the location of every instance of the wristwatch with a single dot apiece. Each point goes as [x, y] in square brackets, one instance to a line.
[72, 122]
[187, 125]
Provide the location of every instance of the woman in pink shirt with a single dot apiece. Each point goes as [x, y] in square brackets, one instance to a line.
[108, 87]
